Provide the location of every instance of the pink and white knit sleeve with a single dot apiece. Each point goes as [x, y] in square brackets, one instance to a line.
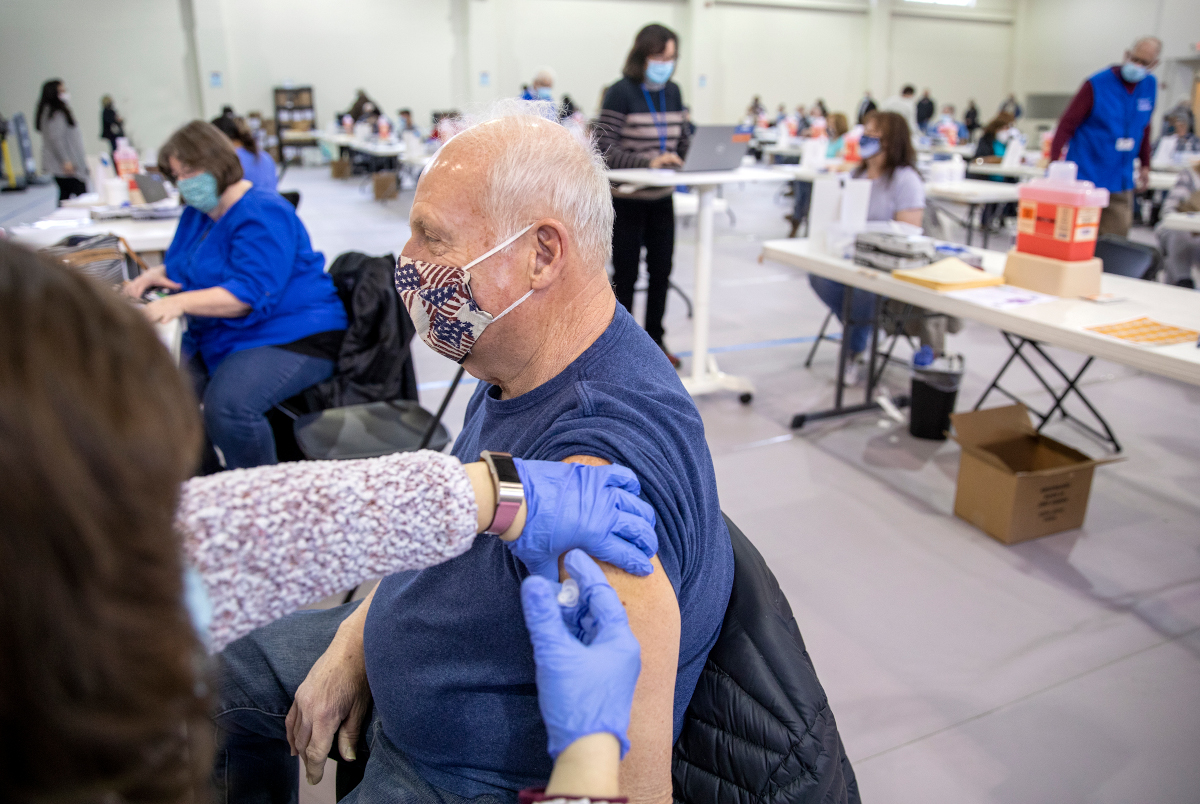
[269, 540]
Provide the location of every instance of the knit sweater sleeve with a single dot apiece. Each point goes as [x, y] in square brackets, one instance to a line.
[269, 540]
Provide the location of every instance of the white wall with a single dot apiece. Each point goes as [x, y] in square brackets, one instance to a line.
[585, 42]
[430, 54]
[133, 50]
[399, 52]
[956, 59]
[788, 55]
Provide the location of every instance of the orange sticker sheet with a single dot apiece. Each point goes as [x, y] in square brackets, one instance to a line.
[1147, 332]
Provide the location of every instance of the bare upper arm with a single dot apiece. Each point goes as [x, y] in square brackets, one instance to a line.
[653, 613]
[915, 216]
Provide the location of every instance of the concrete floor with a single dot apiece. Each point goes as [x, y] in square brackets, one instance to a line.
[959, 669]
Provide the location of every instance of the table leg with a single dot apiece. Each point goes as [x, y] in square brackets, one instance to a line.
[970, 222]
[706, 378]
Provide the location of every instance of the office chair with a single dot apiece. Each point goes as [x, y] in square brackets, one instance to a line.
[293, 197]
[1124, 257]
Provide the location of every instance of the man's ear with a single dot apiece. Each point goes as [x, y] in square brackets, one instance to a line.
[550, 253]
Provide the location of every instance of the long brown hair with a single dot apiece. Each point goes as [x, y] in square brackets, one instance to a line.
[999, 123]
[201, 146]
[650, 41]
[100, 694]
[895, 143]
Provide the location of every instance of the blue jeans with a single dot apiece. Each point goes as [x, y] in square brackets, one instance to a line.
[862, 310]
[244, 387]
[256, 684]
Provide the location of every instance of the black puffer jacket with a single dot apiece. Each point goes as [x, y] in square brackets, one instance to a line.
[374, 364]
[759, 729]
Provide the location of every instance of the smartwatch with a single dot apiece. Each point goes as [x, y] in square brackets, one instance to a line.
[509, 491]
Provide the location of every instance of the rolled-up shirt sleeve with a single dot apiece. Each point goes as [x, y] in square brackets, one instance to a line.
[261, 258]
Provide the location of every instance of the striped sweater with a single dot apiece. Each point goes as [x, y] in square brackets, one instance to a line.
[628, 130]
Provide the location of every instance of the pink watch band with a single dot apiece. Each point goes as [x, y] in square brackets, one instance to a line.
[510, 494]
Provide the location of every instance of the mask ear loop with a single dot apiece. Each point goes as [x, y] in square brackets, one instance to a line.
[484, 256]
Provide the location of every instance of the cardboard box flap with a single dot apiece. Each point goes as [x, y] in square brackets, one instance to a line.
[984, 455]
[991, 425]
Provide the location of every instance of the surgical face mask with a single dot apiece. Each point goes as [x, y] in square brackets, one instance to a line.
[545, 93]
[64, 96]
[659, 72]
[1004, 135]
[200, 191]
[1133, 73]
[868, 146]
[439, 300]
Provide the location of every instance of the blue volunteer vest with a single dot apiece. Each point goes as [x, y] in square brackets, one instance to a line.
[1117, 114]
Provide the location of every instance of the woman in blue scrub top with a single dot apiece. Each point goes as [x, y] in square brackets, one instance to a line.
[264, 319]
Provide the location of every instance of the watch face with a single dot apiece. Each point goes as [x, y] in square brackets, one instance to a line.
[506, 469]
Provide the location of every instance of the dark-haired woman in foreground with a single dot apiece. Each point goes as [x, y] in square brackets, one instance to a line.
[103, 692]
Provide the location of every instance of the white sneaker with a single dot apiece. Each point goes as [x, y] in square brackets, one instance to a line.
[853, 372]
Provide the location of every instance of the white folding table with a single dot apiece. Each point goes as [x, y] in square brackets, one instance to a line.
[1020, 172]
[706, 377]
[973, 193]
[1182, 221]
[143, 236]
[1062, 322]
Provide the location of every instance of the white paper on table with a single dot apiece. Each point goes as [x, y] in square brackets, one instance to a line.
[1001, 297]
[856, 198]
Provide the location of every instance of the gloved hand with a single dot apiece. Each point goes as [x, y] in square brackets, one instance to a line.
[594, 508]
[584, 686]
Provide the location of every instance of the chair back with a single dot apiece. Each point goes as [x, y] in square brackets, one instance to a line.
[1124, 257]
[759, 729]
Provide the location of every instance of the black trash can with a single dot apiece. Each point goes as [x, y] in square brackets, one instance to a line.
[934, 392]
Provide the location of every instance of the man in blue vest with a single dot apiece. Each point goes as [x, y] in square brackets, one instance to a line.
[1107, 125]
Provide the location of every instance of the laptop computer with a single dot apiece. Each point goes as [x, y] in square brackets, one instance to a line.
[151, 187]
[715, 148]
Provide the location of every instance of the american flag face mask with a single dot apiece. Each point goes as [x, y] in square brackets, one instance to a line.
[439, 300]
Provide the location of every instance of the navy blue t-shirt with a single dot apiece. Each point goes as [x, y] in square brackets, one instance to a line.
[448, 656]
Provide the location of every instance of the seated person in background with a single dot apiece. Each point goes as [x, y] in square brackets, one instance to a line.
[1181, 250]
[258, 167]
[990, 147]
[505, 272]
[1178, 136]
[406, 123]
[947, 128]
[103, 673]
[264, 319]
[838, 126]
[897, 193]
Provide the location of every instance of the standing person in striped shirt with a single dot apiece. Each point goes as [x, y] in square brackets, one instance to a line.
[643, 123]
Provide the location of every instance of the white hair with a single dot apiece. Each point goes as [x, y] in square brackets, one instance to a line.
[540, 168]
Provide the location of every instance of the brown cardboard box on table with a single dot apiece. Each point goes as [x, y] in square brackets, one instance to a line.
[1072, 278]
[1014, 483]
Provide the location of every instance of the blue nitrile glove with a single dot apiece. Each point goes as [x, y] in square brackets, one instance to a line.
[584, 686]
[594, 508]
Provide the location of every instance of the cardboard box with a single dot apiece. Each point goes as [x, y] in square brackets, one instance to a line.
[1071, 278]
[339, 169]
[1014, 483]
[385, 184]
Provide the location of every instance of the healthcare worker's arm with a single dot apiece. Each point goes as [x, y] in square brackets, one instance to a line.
[588, 662]
[653, 612]
[567, 506]
[211, 302]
